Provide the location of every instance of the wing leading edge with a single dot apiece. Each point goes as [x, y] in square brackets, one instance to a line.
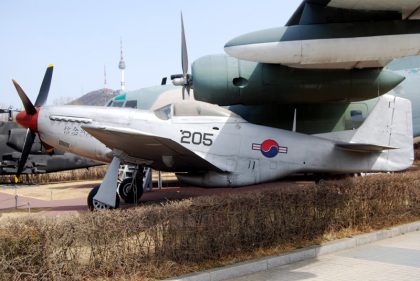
[162, 153]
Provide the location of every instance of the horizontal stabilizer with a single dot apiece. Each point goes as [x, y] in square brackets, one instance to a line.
[364, 147]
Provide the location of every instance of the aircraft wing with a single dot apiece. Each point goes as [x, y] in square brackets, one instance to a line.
[407, 9]
[336, 34]
[159, 152]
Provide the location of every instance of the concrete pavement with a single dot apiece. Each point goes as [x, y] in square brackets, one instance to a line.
[394, 259]
[388, 254]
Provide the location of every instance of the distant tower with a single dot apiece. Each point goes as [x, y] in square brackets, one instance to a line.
[104, 78]
[121, 66]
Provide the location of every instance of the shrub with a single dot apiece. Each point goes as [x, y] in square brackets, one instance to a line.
[161, 240]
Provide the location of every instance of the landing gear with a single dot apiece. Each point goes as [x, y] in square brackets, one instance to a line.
[96, 205]
[130, 190]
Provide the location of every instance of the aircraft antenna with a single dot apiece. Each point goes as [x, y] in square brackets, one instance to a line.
[104, 79]
[121, 66]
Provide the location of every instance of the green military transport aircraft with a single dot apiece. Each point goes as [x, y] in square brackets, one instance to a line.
[311, 118]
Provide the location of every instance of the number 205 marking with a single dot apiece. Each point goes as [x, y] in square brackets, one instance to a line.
[196, 138]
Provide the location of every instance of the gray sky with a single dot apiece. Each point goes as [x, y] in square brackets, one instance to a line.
[81, 36]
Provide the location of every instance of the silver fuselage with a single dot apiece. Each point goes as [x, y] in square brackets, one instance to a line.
[240, 150]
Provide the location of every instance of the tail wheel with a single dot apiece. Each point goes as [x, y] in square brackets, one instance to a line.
[126, 190]
[96, 205]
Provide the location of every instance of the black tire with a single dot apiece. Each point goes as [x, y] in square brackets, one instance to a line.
[91, 204]
[126, 191]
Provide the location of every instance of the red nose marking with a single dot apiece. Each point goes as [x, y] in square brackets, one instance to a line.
[28, 121]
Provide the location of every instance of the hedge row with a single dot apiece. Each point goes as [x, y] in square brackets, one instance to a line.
[153, 241]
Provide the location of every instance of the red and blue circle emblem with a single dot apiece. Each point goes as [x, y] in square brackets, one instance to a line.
[269, 148]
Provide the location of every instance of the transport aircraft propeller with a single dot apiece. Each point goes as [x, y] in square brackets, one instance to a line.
[184, 79]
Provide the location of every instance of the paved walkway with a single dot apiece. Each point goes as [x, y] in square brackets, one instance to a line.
[53, 207]
[393, 259]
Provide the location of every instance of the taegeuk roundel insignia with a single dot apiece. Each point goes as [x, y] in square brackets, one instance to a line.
[269, 148]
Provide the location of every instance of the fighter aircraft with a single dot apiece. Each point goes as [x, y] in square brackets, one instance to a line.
[211, 145]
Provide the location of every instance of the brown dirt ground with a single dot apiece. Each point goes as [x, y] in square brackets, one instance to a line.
[57, 191]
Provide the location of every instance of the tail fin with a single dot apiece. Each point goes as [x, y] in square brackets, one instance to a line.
[387, 131]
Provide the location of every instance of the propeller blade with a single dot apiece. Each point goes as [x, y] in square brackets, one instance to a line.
[31, 121]
[184, 52]
[27, 104]
[45, 87]
[188, 90]
[29, 140]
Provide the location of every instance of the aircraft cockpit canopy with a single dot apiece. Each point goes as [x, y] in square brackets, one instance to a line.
[122, 103]
[115, 103]
[192, 108]
[164, 113]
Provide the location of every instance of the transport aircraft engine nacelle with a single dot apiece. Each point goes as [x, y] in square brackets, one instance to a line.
[225, 80]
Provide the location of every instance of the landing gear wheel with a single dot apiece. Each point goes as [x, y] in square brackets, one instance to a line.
[96, 205]
[126, 191]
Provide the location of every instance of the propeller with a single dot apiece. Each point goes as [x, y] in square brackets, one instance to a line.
[29, 118]
[184, 79]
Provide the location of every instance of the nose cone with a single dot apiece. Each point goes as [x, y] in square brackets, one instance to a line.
[28, 121]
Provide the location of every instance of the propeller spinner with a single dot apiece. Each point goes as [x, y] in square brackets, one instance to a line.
[184, 79]
[29, 118]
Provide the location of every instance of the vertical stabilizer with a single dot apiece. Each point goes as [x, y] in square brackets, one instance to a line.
[385, 136]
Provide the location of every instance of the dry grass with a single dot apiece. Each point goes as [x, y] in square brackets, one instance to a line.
[92, 173]
[179, 237]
